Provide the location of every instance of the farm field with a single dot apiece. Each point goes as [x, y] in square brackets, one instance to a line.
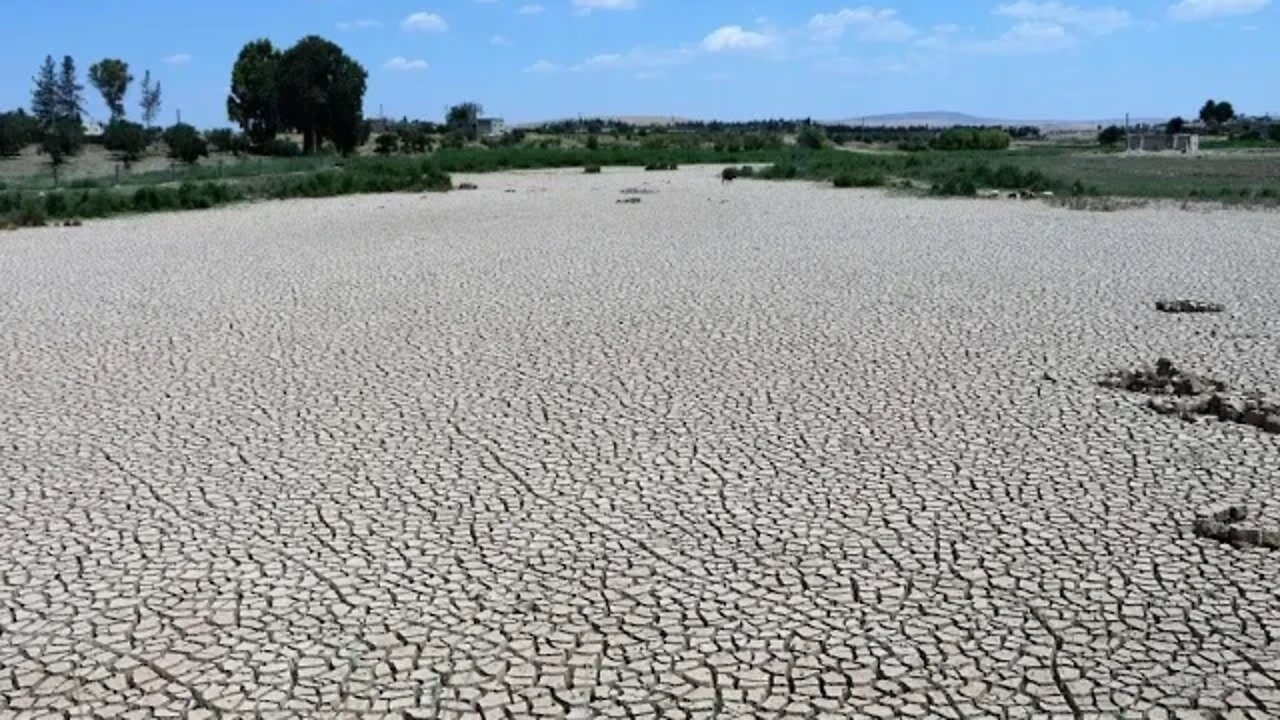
[730, 450]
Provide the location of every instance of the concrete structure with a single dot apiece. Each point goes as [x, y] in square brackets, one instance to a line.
[92, 128]
[1164, 142]
[490, 127]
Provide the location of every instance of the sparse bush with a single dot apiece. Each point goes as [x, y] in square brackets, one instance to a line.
[658, 166]
[220, 139]
[29, 215]
[279, 147]
[779, 171]
[185, 143]
[591, 170]
[729, 174]
[955, 187]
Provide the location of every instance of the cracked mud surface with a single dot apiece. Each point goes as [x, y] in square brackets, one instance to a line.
[757, 449]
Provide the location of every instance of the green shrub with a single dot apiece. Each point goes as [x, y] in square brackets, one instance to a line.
[956, 187]
[847, 180]
[971, 139]
[1110, 136]
[62, 140]
[591, 170]
[128, 140]
[29, 215]
[657, 166]
[730, 174]
[386, 144]
[220, 139]
[812, 137]
[185, 143]
[279, 147]
[17, 130]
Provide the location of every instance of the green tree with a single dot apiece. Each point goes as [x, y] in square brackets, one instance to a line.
[1175, 125]
[185, 143]
[254, 101]
[44, 98]
[1224, 113]
[111, 77]
[1208, 112]
[464, 118]
[70, 93]
[62, 139]
[1111, 135]
[128, 140]
[321, 93]
[150, 102]
[1273, 133]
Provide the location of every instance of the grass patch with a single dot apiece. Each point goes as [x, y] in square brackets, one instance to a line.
[848, 180]
[357, 176]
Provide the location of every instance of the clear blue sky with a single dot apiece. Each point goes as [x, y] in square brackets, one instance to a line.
[542, 59]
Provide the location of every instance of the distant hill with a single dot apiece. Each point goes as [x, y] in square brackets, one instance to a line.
[941, 118]
[933, 119]
[636, 120]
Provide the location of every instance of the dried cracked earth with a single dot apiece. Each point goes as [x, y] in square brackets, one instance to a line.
[754, 450]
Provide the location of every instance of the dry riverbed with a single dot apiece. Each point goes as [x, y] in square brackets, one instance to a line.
[744, 449]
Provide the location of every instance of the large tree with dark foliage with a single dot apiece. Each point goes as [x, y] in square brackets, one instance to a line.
[322, 93]
[254, 102]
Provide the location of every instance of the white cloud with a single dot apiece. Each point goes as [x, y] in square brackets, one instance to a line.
[358, 24]
[543, 67]
[1099, 21]
[499, 40]
[424, 22]
[734, 37]
[641, 58]
[1029, 38]
[1207, 9]
[873, 25]
[586, 6]
[530, 10]
[178, 59]
[402, 64]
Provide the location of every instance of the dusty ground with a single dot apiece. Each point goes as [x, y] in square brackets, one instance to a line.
[750, 450]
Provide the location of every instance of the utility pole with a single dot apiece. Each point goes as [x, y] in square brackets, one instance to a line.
[179, 112]
[1128, 143]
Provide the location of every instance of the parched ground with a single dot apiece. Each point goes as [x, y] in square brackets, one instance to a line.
[749, 450]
